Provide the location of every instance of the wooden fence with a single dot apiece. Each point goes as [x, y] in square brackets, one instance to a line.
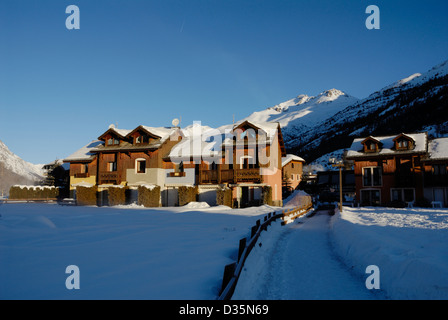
[232, 271]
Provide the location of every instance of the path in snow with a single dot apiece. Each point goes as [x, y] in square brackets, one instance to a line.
[301, 265]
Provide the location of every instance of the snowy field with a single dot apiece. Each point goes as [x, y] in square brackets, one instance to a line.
[325, 257]
[122, 253]
[180, 253]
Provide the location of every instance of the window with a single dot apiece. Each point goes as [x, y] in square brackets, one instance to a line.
[403, 194]
[370, 197]
[292, 177]
[138, 139]
[112, 141]
[439, 169]
[85, 168]
[403, 144]
[112, 166]
[141, 166]
[372, 176]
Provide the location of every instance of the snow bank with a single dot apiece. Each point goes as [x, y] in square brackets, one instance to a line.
[296, 199]
[196, 205]
[128, 252]
[409, 247]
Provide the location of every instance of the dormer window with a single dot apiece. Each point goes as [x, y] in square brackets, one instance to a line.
[371, 145]
[403, 142]
[113, 141]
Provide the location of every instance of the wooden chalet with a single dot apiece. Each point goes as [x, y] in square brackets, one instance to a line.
[406, 168]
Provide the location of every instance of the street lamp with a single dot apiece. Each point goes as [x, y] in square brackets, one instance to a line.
[339, 164]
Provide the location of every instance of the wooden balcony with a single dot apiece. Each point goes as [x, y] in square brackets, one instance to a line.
[247, 175]
[209, 176]
[106, 177]
[177, 174]
[82, 175]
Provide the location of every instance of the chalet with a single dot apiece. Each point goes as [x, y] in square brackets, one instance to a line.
[435, 165]
[388, 169]
[292, 171]
[244, 157]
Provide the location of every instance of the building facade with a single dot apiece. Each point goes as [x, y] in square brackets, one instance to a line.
[245, 157]
[391, 170]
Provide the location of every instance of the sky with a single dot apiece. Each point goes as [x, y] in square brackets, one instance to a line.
[147, 62]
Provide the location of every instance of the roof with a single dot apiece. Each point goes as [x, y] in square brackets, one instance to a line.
[437, 149]
[211, 142]
[388, 144]
[84, 154]
[289, 158]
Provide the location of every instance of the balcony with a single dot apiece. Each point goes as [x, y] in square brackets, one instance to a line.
[108, 177]
[82, 175]
[247, 175]
[177, 174]
[209, 176]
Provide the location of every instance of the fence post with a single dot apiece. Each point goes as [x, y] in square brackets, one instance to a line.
[229, 270]
[253, 231]
[241, 248]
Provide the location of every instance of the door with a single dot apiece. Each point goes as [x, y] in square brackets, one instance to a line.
[244, 196]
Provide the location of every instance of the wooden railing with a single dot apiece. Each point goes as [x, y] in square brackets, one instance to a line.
[209, 176]
[232, 271]
[82, 175]
[251, 175]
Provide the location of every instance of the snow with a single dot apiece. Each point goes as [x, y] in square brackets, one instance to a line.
[325, 257]
[197, 205]
[420, 140]
[438, 148]
[123, 252]
[19, 166]
[84, 153]
[305, 110]
[290, 157]
[409, 246]
[132, 252]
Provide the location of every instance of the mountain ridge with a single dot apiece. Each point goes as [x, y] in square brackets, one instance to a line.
[421, 100]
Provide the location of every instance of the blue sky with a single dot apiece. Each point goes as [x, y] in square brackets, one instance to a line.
[147, 62]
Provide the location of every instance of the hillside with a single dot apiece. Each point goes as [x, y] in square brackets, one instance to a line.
[315, 126]
[14, 170]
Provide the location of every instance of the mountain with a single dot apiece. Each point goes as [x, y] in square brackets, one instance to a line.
[315, 126]
[304, 112]
[14, 170]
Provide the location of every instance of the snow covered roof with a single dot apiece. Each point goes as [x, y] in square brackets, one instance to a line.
[289, 158]
[387, 145]
[438, 149]
[84, 153]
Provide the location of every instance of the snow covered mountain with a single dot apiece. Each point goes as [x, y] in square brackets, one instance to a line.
[14, 170]
[304, 112]
[315, 126]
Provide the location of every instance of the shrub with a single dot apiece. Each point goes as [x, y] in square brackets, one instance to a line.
[86, 196]
[267, 195]
[33, 192]
[224, 197]
[187, 195]
[149, 196]
[117, 196]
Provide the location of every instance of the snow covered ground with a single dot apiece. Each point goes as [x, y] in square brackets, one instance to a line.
[131, 252]
[122, 252]
[325, 257]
